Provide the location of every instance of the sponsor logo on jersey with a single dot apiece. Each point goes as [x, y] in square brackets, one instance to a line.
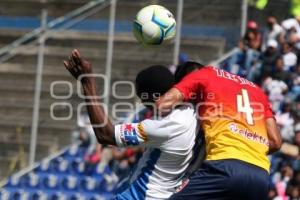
[245, 133]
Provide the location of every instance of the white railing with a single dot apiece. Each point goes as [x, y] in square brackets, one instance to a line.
[61, 23]
[227, 55]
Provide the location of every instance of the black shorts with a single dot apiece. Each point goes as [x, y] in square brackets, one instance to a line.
[226, 180]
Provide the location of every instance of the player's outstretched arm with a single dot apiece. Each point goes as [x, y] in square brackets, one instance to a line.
[274, 136]
[167, 102]
[77, 67]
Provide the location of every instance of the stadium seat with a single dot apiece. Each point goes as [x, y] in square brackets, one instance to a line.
[73, 151]
[109, 182]
[58, 196]
[77, 197]
[100, 168]
[39, 195]
[61, 165]
[45, 166]
[14, 181]
[88, 184]
[51, 182]
[32, 180]
[4, 194]
[70, 183]
[20, 194]
[78, 166]
[101, 197]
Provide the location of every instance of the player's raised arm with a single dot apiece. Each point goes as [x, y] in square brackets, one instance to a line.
[168, 100]
[187, 89]
[77, 66]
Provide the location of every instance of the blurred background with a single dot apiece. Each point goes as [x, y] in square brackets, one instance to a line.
[47, 149]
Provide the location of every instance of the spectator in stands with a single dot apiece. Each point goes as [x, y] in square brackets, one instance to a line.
[252, 38]
[275, 90]
[295, 87]
[282, 179]
[291, 25]
[273, 194]
[280, 73]
[289, 57]
[293, 192]
[92, 159]
[274, 30]
[269, 57]
[294, 40]
[124, 160]
[297, 131]
[248, 54]
[84, 139]
[285, 120]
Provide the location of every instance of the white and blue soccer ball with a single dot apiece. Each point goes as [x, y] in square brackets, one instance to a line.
[154, 25]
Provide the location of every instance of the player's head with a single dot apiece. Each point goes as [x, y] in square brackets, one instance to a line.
[153, 82]
[184, 69]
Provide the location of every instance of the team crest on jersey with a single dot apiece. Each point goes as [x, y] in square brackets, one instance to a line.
[130, 137]
[142, 133]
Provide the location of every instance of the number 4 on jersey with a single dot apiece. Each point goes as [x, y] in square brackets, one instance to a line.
[243, 106]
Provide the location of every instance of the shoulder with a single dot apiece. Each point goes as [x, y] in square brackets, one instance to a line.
[180, 116]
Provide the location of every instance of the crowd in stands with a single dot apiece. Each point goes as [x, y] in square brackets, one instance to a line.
[271, 58]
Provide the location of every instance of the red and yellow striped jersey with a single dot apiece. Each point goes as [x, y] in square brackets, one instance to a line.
[232, 113]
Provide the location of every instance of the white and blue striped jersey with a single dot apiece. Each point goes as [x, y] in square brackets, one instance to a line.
[169, 144]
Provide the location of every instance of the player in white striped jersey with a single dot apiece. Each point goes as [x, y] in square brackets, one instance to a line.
[168, 140]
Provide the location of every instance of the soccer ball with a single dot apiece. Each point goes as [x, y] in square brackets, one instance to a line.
[154, 25]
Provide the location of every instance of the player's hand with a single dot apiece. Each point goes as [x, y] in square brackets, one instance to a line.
[77, 66]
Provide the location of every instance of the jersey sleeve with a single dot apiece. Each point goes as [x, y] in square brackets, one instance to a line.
[193, 83]
[130, 134]
[153, 133]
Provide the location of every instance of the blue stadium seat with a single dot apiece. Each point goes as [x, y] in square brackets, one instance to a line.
[45, 166]
[32, 180]
[70, 183]
[61, 165]
[73, 152]
[88, 184]
[77, 196]
[39, 195]
[62, 179]
[19, 194]
[15, 181]
[78, 166]
[51, 182]
[101, 197]
[108, 183]
[58, 196]
[99, 169]
[4, 194]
